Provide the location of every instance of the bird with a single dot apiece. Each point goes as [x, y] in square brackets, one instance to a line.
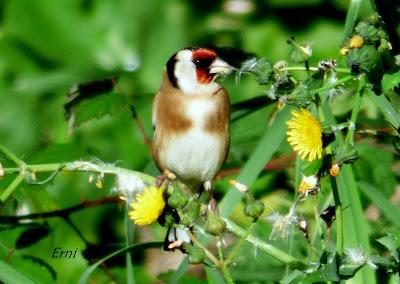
[190, 117]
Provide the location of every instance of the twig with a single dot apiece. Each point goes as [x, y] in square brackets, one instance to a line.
[63, 213]
[82, 166]
[223, 264]
[146, 139]
[238, 245]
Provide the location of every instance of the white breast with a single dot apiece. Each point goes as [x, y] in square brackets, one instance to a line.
[195, 154]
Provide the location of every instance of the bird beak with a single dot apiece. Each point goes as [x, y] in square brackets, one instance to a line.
[220, 67]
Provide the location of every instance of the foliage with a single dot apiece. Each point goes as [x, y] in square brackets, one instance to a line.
[71, 165]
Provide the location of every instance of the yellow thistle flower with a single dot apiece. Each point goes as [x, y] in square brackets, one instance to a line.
[305, 134]
[148, 206]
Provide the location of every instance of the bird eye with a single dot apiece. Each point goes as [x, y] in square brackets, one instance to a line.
[202, 63]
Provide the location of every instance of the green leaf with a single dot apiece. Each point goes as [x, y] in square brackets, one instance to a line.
[392, 242]
[389, 81]
[11, 275]
[85, 275]
[349, 269]
[351, 17]
[95, 108]
[355, 226]
[213, 276]
[295, 275]
[391, 115]
[42, 264]
[166, 277]
[325, 273]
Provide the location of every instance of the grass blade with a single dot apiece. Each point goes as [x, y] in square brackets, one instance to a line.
[269, 143]
[390, 211]
[351, 17]
[354, 224]
[387, 109]
[9, 274]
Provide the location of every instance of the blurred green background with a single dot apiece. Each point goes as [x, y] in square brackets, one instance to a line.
[46, 46]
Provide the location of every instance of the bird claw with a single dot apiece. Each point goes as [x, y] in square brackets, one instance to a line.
[207, 186]
[213, 205]
[171, 176]
[167, 176]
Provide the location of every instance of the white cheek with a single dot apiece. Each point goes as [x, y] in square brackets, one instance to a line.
[185, 72]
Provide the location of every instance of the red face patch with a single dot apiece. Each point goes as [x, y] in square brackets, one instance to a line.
[204, 53]
[203, 76]
[203, 58]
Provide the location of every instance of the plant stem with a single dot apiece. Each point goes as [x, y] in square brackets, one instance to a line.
[11, 219]
[330, 86]
[235, 250]
[223, 264]
[339, 219]
[129, 230]
[11, 156]
[10, 189]
[314, 69]
[356, 110]
[82, 166]
[269, 249]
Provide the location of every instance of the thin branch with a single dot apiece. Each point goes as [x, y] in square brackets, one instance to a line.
[146, 139]
[63, 213]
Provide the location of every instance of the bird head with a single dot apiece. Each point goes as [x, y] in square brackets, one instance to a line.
[193, 70]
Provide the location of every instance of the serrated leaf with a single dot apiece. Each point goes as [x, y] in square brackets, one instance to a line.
[95, 108]
[389, 81]
[32, 236]
[392, 243]
[325, 273]
[85, 91]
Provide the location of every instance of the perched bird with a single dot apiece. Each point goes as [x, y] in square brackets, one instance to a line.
[191, 118]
